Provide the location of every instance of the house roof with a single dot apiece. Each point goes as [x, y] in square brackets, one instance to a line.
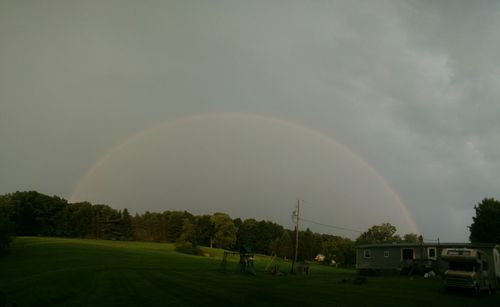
[427, 244]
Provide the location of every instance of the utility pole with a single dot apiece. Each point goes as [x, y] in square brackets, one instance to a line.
[297, 216]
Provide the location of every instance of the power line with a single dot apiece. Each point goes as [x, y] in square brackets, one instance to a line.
[331, 226]
[328, 225]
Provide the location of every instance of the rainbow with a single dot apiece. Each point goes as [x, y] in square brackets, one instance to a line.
[102, 159]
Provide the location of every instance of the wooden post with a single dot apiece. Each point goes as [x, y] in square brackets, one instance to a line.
[296, 236]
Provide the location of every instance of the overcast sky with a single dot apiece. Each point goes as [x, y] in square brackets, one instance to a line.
[371, 111]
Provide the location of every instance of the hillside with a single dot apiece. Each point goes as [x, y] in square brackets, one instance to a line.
[76, 272]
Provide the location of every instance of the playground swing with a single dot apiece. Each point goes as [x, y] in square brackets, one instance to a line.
[245, 264]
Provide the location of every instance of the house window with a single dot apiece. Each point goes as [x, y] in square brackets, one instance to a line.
[367, 253]
[431, 252]
[386, 254]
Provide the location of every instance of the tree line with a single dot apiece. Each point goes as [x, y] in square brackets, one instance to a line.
[34, 214]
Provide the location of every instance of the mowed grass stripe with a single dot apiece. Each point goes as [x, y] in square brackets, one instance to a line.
[76, 272]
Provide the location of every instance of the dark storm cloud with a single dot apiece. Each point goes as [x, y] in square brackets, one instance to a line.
[411, 86]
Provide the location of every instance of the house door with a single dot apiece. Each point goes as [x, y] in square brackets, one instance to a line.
[407, 254]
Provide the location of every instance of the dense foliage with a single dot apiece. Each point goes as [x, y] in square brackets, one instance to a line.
[385, 233]
[35, 214]
[486, 224]
[6, 233]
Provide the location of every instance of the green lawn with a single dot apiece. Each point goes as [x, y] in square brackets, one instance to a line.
[74, 272]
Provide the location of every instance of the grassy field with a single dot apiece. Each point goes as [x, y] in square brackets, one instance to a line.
[74, 272]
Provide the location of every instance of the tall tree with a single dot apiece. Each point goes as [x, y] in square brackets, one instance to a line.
[106, 222]
[150, 226]
[49, 211]
[176, 223]
[410, 238]
[78, 220]
[36, 214]
[379, 234]
[247, 234]
[126, 225]
[6, 233]
[23, 213]
[266, 232]
[204, 230]
[188, 232]
[341, 250]
[224, 230]
[307, 249]
[282, 245]
[486, 224]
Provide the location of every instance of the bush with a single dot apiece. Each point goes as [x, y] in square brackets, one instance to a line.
[186, 247]
[6, 235]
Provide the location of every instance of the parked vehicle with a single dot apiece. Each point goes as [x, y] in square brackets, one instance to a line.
[470, 269]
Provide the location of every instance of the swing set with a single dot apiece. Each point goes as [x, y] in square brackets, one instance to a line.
[245, 263]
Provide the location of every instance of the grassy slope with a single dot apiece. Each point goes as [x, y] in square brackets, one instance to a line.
[73, 272]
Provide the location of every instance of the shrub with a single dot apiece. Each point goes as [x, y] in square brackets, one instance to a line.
[186, 247]
[6, 234]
